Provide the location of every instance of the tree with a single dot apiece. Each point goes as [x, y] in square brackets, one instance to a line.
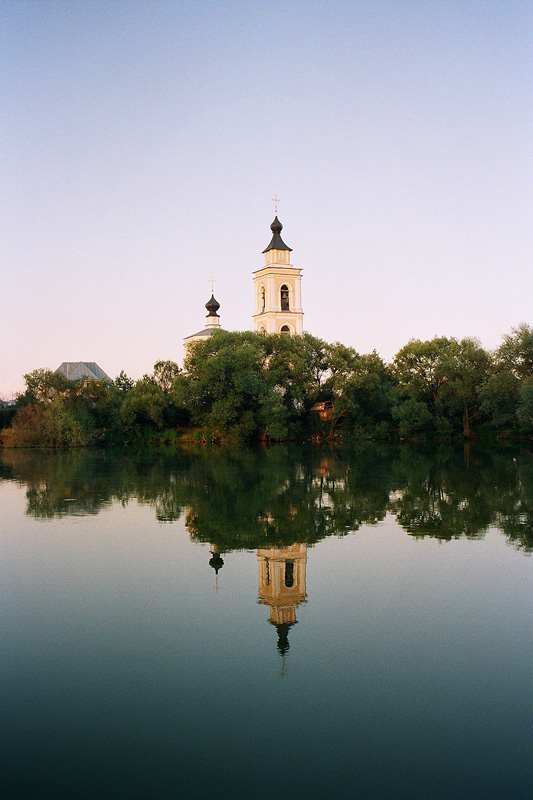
[227, 388]
[465, 366]
[165, 373]
[498, 397]
[524, 412]
[446, 375]
[49, 424]
[143, 405]
[43, 384]
[418, 368]
[412, 416]
[296, 367]
[123, 383]
[515, 354]
[359, 386]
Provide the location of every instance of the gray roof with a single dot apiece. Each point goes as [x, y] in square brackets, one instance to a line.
[83, 369]
[205, 332]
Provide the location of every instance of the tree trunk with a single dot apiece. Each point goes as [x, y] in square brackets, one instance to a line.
[466, 423]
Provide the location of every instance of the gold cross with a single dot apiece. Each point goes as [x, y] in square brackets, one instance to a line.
[212, 282]
[276, 200]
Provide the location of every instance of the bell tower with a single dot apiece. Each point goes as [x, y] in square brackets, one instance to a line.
[278, 289]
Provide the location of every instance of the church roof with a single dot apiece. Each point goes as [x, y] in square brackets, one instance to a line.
[83, 369]
[205, 332]
[276, 243]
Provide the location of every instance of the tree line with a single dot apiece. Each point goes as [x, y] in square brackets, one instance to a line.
[244, 386]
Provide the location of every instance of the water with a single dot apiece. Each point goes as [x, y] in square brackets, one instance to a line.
[266, 623]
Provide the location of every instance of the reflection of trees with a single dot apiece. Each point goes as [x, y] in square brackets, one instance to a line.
[280, 496]
[453, 492]
[515, 508]
[83, 482]
[252, 498]
[439, 495]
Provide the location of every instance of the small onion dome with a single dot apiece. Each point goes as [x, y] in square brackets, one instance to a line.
[276, 242]
[212, 306]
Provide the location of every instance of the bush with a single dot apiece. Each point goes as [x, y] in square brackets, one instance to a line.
[413, 417]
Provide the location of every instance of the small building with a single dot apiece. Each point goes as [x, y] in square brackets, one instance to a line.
[84, 370]
[325, 409]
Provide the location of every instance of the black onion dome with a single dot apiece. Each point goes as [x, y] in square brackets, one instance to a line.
[216, 561]
[276, 242]
[212, 306]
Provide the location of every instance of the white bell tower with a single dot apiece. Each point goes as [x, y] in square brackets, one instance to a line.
[278, 289]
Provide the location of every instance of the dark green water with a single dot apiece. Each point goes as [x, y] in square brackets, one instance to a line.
[277, 623]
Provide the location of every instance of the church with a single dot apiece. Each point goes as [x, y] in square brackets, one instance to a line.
[277, 294]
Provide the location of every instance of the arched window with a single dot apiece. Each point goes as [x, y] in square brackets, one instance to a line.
[263, 299]
[286, 330]
[284, 292]
[289, 574]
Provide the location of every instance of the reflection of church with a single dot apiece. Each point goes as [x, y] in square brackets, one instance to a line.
[277, 294]
[282, 586]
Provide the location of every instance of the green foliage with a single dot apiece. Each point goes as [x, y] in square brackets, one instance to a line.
[360, 388]
[515, 354]
[465, 366]
[226, 387]
[445, 376]
[498, 397]
[412, 417]
[165, 373]
[40, 425]
[418, 370]
[123, 383]
[238, 387]
[143, 404]
[524, 412]
[43, 384]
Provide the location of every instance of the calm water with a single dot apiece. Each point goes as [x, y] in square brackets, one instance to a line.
[266, 624]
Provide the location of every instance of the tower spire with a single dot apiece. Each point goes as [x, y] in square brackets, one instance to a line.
[278, 287]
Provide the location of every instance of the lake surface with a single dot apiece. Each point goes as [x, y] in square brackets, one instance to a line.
[266, 623]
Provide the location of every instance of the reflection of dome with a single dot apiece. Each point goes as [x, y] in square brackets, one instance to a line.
[216, 561]
[283, 637]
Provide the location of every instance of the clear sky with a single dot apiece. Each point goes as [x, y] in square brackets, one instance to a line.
[142, 142]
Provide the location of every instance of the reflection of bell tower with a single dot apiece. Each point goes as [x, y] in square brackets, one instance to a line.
[282, 586]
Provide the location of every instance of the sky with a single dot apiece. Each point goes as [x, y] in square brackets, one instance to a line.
[141, 144]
